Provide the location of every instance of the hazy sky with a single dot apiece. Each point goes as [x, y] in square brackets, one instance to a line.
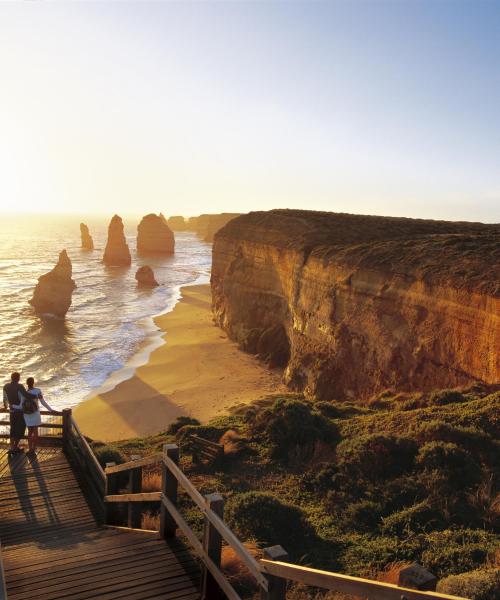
[367, 107]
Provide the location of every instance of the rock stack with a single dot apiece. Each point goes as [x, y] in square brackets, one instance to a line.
[154, 236]
[54, 290]
[177, 223]
[117, 253]
[87, 241]
[146, 277]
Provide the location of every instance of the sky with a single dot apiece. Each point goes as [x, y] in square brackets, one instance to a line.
[191, 107]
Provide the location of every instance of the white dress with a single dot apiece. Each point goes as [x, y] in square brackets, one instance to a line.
[34, 419]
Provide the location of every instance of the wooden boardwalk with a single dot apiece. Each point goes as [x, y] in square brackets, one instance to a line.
[52, 547]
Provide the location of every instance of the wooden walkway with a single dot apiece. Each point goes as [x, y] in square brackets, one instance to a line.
[52, 547]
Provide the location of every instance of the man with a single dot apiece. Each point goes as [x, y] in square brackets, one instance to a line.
[11, 400]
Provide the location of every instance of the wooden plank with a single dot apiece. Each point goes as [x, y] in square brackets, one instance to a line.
[202, 441]
[142, 497]
[133, 464]
[248, 560]
[224, 584]
[373, 590]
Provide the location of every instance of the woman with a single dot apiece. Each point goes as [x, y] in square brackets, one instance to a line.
[32, 416]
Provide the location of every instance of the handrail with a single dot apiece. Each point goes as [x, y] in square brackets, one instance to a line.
[346, 584]
[136, 497]
[133, 464]
[245, 556]
[55, 413]
[87, 447]
[224, 584]
[3, 584]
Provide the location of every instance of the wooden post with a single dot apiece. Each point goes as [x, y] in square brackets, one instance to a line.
[135, 487]
[169, 486]
[277, 585]
[111, 488]
[212, 544]
[66, 430]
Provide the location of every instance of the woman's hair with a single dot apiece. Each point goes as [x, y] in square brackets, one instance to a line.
[30, 382]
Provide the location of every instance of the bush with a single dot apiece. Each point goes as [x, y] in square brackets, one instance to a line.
[262, 517]
[456, 551]
[376, 456]
[328, 409]
[476, 585]
[455, 463]
[414, 519]
[291, 429]
[107, 454]
[362, 516]
[181, 422]
[441, 397]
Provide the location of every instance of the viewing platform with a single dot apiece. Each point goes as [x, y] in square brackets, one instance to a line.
[57, 541]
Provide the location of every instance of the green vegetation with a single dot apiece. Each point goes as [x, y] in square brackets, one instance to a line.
[410, 477]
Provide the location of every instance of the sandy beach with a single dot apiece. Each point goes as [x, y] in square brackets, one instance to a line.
[197, 372]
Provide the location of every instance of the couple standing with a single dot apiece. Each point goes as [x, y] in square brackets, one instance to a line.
[24, 407]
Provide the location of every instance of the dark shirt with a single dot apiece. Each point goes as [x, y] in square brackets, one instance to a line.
[11, 394]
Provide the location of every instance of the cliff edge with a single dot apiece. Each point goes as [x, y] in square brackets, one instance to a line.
[351, 305]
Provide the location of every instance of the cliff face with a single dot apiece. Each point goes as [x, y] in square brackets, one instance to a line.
[352, 305]
[154, 236]
[87, 241]
[116, 253]
[206, 226]
[54, 290]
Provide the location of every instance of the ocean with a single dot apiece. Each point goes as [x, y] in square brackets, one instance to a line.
[110, 320]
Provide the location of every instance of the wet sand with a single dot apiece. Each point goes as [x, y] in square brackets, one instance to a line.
[197, 372]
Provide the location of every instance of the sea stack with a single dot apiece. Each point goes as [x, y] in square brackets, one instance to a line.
[146, 277]
[54, 290]
[87, 241]
[117, 253]
[177, 223]
[154, 236]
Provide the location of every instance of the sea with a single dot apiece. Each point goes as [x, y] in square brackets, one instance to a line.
[109, 329]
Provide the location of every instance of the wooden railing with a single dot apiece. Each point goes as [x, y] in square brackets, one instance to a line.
[3, 585]
[270, 574]
[54, 423]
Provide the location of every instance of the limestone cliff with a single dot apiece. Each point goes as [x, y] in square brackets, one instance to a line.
[154, 236]
[87, 241]
[206, 226]
[145, 277]
[116, 253]
[54, 290]
[177, 223]
[351, 305]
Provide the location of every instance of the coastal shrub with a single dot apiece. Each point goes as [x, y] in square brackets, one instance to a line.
[291, 429]
[458, 550]
[450, 460]
[364, 515]
[414, 519]
[181, 422]
[328, 409]
[107, 454]
[481, 584]
[261, 516]
[446, 397]
[366, 555]
[376, 456]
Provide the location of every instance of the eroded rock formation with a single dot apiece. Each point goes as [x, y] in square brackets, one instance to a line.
[154, 236]
[117, 253]
[206, 226]
[177, 223]
[145, 277]
[87, 241]
[54, 290]
[352, 305]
